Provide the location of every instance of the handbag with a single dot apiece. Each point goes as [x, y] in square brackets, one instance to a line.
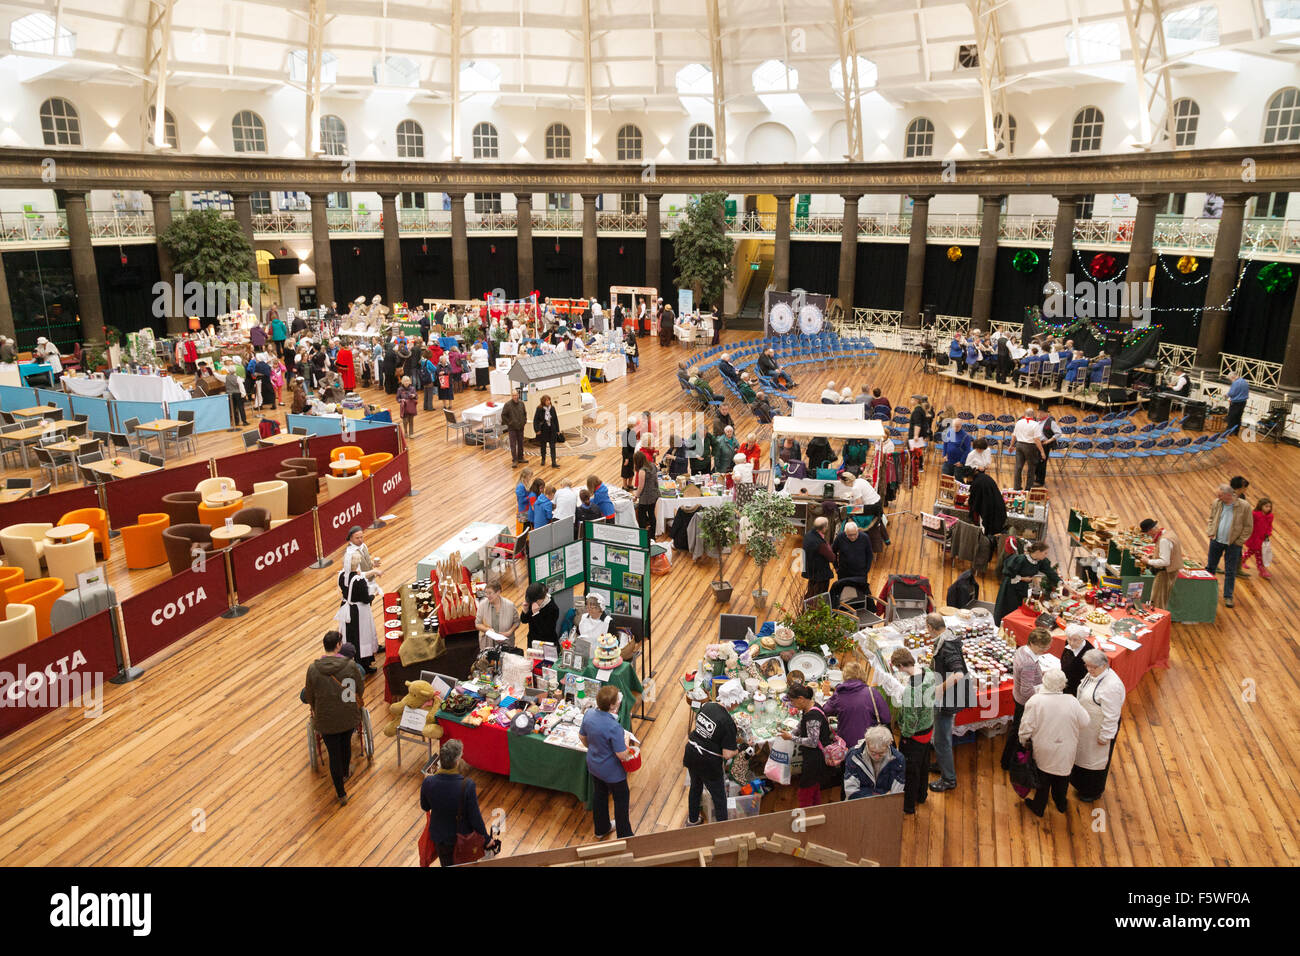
[469, 846]
[835, 751]
[1266, 552]
[633, 763]
[427, 850]
[1024, 772]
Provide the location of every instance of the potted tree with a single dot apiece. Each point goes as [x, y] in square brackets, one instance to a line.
[718, 530]
[767, 515]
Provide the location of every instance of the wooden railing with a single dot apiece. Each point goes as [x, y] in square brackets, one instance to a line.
[1257, 372]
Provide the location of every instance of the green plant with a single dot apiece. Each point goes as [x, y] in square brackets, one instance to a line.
[112, 335]
[718, 530]
[702, 249]
[205, 247]
[93, 357]
[768, 515]
[821, 625]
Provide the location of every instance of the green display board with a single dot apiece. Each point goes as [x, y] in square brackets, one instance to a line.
[560, 568]
[618, 569]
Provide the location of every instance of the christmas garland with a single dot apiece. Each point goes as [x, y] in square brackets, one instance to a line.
[1026, 260]
[1276, 277]
[1099, 330]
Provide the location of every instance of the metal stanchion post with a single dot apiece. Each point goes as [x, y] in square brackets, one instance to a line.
[125, 673]
[374, 507]
[236, 609]
[321, 560]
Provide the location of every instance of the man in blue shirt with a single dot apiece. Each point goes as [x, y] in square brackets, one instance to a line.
[1238, 393]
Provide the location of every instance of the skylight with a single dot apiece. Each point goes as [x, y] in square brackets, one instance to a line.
[329, 67]
[34, 33]
[1094, 43]
[867, 75]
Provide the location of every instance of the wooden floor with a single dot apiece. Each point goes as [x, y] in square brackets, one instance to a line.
[202, 761]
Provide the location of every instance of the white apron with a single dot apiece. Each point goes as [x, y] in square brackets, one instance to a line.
[1103, 699]
[355, 618]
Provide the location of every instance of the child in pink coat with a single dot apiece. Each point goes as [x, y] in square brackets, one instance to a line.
[1261, 532]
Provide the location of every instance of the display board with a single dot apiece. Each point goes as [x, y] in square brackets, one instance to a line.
[555, 558]
[618, 569]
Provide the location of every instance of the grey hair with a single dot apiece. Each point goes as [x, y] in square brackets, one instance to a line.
[935, 622]
[449, 754]
[1226, 489]
[1054, 680]
[877, 736]
[1095, 658]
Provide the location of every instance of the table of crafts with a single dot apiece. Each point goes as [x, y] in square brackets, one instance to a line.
[524, 758]
[1152, 647]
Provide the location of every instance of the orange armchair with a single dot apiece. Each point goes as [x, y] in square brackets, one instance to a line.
[97, 518]
[215, 517]
[41, 595]
[371, 463]
[143, 541]
[354, 452]
[10, 577]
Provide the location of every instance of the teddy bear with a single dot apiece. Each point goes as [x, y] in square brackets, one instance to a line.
[418, 693]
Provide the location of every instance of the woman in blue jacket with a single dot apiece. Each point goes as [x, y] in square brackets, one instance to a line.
[874, 766]
[452, 804]
[542, 509]
[600, 496]
[974, 353]
[957, 352]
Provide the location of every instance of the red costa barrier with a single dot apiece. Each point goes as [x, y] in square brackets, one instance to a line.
[369, 440]
[272, 556]
[128, 498]
[161, 616]
[260, 464]
[49, 674]
[46, 508]
[392, 482]
[341, 512]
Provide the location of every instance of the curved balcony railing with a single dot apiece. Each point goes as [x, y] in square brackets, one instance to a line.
[283, 223]
[132, 224]
[887, 226]
[17, 227]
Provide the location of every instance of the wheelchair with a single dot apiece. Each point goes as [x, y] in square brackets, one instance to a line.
[316, 744]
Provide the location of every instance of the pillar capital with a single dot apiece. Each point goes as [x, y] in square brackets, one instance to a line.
[653, 197]
[783, 198]
[850, 199]
[920, 199]
[589, 197]
[1067, 199]
[991, 200]
[523, 199]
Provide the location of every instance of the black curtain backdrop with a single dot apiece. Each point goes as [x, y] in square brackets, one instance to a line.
[619, 268]
[815, 267]
[881, 275]
[426, 272]
[489, 270]
[950, 286]
[358, 270]
[668, 273]
[1014, 290]
[1174, 292]
[43, 297]
[558, 275]
[126, 291]
[1259, 323]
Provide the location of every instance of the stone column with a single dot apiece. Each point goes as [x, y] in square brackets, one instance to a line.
[781, 254]
[162, 219]
[653, 225]
[323, 262]
[524, 242]
[6, 307]
[589, 278]
[985, 266]
[1222, 280]
[1063, 240]
[392, 249]
[1144, 234]
[848, 253]
[459, 248]
[1289, 379]
[914, 287]
[84, 275]
[244, 216]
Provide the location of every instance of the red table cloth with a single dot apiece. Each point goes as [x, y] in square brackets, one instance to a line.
[486, 746]
[1129, 665]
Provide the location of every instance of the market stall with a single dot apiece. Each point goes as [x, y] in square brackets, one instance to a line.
[126, 387]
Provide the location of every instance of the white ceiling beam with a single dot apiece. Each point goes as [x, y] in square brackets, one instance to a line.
[993, 76]
[589, 149]
[849, 80]
[315, 54]
[924, 49]
[158, 41]
[716, 67]
[457, 35]
[1146, 31]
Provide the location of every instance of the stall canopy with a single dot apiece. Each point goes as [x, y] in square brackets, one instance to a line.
[532, 369]
[827, 421]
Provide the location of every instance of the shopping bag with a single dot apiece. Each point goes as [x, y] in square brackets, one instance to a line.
[633, 763]
[1024, 772]
[427, 850]
[1266, 553]
[777, 768]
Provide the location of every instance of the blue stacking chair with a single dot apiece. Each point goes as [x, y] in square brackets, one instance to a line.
[1078, 454]
[1101, 454]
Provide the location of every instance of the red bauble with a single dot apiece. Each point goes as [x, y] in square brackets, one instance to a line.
[1103, 265]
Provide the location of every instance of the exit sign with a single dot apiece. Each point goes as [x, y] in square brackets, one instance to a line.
[753, 267]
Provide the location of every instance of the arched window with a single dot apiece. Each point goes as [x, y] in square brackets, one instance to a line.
[60, 125]
[484, 141]
[559, 142]
[169, 127]
[699, 145]
[248, 132]
[629, 142]
[920, 139]
[410, 140]
[1281, 121]
[1187, 116]
[1085, 135]
[333, 136]
[1009, 138]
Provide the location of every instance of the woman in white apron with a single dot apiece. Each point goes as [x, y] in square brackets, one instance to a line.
[355, 618]
[357, 560]
[1102, 694]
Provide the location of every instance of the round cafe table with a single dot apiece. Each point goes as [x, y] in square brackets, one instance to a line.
[342, 467]
[222, 498]
[225, 536]
[64, 533]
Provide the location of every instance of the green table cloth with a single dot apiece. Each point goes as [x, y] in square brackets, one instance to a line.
[1194, 600]
[535, 762]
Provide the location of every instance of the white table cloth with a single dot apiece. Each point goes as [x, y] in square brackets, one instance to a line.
[126, 387]
[481, 414]
[86, 387]
[611, 366]
[472, 542]
[499, 382]
[9, 376]
[666, 508]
